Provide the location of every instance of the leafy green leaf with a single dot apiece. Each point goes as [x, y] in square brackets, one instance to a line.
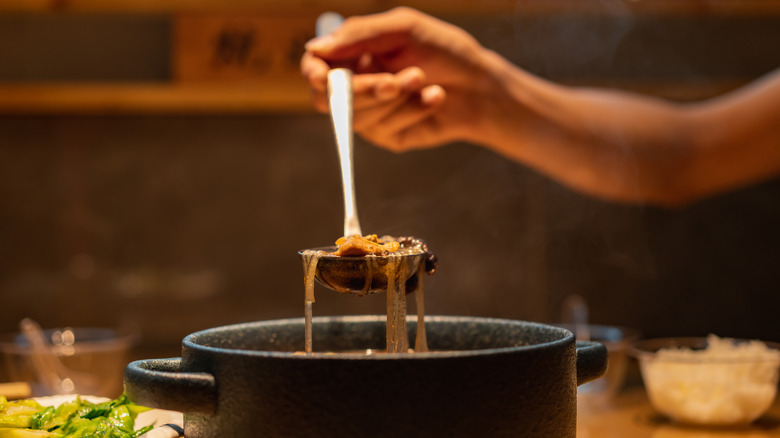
[74, 419]
[24, 433]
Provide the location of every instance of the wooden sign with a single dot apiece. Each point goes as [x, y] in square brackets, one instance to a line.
[239, 48]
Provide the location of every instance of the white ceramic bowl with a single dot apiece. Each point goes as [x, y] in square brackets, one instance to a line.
[709, 381]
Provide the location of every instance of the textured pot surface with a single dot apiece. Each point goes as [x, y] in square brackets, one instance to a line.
[491, 377]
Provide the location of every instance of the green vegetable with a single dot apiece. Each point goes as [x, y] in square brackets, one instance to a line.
[24, 433]
[75, 419]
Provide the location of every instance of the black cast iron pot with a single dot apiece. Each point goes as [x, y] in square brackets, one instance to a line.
[491, 378]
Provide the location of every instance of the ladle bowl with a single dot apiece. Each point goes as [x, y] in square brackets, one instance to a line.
[363, 275]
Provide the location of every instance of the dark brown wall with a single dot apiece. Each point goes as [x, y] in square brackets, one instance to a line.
[179, 223]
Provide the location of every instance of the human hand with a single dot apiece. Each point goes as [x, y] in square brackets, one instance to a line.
[419, 82]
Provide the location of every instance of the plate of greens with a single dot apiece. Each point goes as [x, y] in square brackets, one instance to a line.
[78, 416]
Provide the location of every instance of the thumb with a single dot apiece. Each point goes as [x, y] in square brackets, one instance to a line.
[375, 34]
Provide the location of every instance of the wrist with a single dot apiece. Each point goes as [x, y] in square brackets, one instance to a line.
[500, 94]
[520, 112]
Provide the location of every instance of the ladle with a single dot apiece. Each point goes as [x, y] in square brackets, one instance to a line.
[367, 274]
[358, 275]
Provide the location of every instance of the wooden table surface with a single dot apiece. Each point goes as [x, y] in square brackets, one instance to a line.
[629, 415]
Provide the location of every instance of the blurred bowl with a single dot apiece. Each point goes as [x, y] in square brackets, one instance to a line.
[99, 352]
[617, 340]
[709, 381]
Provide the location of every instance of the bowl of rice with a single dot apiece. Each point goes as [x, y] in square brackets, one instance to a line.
[709, 381]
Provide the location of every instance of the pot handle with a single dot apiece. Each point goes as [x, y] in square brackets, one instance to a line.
[160, 383]
[591, 361]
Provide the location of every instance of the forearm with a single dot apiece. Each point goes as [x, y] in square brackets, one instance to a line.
[627, 147]
[738, 136]
[608, 144]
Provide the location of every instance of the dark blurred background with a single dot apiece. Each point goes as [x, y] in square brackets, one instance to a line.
[173, 221]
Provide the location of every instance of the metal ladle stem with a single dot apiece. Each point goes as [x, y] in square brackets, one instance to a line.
[340, 101]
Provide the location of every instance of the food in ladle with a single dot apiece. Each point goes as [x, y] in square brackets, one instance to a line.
[382, 246]
[393, 252]
[358, 245]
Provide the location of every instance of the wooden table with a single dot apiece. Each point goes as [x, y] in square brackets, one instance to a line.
[629, 415]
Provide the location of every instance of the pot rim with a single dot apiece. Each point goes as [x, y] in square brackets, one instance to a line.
[566, 338]
[614, 337]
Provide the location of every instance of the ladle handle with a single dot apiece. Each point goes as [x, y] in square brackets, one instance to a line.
[327, 22]
[340, 101]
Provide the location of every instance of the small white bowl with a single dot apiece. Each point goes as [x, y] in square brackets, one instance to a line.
[709, 381]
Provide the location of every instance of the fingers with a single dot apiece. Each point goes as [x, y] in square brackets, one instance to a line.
[393, 114]
[369, 90]
[403, 123]
[315, 70]
[377, 33]
[354, 45]
[393, 110]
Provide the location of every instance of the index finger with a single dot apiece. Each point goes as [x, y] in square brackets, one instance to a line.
[315, 70]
